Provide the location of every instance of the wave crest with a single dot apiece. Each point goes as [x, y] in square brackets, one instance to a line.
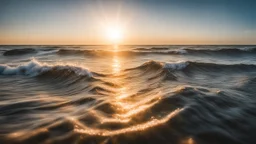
[190, 65]
[35, 68]
[176, 65]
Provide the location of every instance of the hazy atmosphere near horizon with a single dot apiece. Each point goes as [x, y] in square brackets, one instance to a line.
[127, 71]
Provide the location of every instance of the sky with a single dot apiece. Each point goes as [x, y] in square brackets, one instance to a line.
[85, 22]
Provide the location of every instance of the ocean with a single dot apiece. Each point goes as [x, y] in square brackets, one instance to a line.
[191, 94]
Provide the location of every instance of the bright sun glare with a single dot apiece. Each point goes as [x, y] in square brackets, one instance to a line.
[114, 34]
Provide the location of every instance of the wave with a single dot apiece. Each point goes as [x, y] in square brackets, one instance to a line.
[35, 68]
[98, 52]
[153, 48]
[25, 51]
[155, 64]
[44, 52]
[123, 53]
[222, 50]
[160, 50]
[247, 48]
[19, 51]
[93, 52]
[196, 50]
[178, 51]
[176, 66]
[75, 51]
[190, 65]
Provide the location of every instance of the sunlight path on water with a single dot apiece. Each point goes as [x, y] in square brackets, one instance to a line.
[125, 109]
[127, 104]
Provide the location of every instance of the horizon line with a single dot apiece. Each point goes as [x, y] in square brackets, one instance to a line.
[125, 44]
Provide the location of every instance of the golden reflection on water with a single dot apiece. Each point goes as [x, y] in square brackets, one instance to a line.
[140, 127]
[116, 64]
[125, 109]
[121, 93]
[188, 141]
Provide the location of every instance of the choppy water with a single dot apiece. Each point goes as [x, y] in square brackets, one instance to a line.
[128, 94]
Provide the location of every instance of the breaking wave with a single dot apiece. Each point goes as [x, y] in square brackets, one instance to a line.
[35, 68]
[189, 65]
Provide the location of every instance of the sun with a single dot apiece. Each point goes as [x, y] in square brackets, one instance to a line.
[114, 34]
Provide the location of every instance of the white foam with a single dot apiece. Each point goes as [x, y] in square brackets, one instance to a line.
[246, 48]
[176, 65]
[181, 51]
[34, 68]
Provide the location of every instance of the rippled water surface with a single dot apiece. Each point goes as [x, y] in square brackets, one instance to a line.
[128, 94]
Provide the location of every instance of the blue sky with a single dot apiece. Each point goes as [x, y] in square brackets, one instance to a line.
[143, 21]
